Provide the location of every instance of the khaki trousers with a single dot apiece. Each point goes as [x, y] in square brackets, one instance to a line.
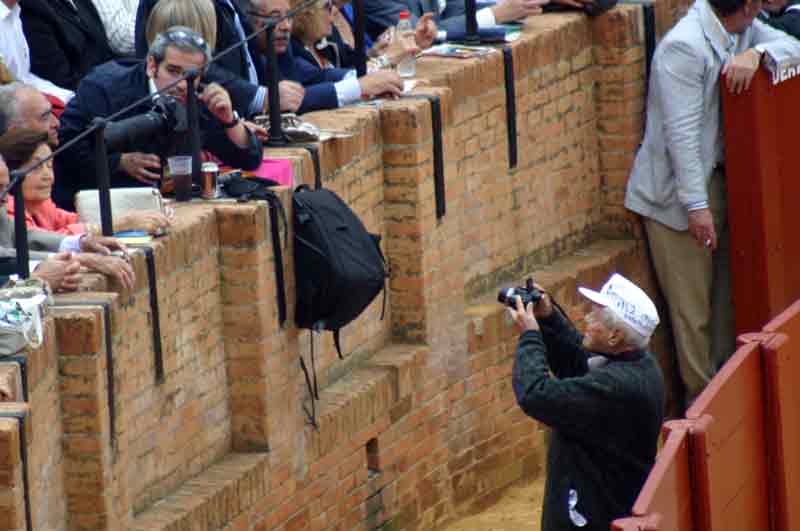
[697, 286]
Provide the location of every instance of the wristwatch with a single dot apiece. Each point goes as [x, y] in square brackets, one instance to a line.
[232, 123]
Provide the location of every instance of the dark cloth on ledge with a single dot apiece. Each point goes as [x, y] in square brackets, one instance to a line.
[605, 422]
[108, 89]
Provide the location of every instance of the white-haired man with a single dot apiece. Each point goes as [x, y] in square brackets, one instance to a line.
[605, 417]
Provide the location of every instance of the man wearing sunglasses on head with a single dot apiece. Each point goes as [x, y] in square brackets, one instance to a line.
[116, 85]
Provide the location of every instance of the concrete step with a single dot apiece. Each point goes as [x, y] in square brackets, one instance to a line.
[212, 500]
[590, 267]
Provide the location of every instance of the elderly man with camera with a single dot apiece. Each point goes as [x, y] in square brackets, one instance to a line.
[600, 392]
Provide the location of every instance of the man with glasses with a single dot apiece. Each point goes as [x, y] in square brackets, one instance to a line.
[325, 88]
[116, 85]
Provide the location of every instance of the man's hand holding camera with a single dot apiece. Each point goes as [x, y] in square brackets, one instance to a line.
[526, 315]
[144, 167]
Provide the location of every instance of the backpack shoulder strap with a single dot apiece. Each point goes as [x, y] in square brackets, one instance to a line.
[276, 209]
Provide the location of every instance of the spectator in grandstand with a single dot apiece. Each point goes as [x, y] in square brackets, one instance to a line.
[16, 54]
[327, 87]
[783, 15]
[23, 106]
[119, 21]
[203, 16]
[66, 39]
[605, 414]
[678, 179]
[116, 85]
[24, 149]
[56, 258]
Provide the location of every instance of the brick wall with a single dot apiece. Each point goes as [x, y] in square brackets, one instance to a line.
[418, 424]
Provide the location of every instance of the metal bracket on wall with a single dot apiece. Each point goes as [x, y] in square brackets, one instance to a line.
[511, 106]
[112, 414]
[313, 150]
[23, 452]
[438, 151]
[153, 281]
[22, 361]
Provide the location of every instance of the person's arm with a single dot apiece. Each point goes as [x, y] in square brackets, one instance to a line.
[680, 79]
[561, 337]
[48, 59]
[319, 97]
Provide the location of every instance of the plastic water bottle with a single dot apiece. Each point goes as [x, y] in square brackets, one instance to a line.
[408, 66]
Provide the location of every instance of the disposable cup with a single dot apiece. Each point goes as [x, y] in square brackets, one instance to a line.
[180, 168]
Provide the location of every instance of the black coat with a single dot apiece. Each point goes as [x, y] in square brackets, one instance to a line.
[108, 89]
[65, 43]
[605, 423]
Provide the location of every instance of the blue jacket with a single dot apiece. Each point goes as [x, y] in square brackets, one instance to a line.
[106, 90]
[297, 64]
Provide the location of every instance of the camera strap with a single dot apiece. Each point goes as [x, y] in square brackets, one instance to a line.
[20, 415]
[313, 150]
[511, 105]
[275, 208]
[438, 150]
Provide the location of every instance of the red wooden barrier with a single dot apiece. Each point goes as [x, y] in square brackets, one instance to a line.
[729, 468]
[780, 348]
[664, 504]
[760, 142]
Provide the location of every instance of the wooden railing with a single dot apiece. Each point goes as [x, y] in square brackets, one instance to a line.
[733, 464]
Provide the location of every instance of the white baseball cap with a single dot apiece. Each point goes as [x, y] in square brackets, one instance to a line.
[628, 302]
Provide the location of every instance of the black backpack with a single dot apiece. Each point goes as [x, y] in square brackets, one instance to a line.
[339, 268]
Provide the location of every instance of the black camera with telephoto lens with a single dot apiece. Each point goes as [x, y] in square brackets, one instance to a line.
[528, 293]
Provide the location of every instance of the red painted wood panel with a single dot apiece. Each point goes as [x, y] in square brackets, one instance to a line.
[729, 447]
[763, 191]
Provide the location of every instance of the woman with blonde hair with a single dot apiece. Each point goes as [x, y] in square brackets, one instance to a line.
[198, 15]
[317, 61]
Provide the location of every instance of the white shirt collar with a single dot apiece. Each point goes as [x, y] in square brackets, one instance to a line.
[6, 12]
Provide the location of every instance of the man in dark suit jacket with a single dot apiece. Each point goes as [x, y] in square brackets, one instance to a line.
[783, 15]
[325, 88]
[118, 84]
[66, 39]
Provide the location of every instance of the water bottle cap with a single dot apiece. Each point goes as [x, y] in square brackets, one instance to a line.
[404, 15]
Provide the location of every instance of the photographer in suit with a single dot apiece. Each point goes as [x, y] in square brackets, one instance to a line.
[116, 85]
[604, 401]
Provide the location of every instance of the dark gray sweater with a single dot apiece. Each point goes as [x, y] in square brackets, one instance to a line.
[605, 423]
